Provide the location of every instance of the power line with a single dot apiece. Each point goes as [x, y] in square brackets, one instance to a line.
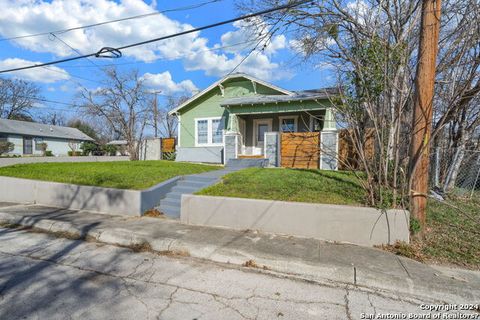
[195, 6]
[115, 52]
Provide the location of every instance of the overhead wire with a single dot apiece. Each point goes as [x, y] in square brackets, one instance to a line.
[141, 16]
[116, 52]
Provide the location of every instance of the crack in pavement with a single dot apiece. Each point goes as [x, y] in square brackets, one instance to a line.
[347, 303]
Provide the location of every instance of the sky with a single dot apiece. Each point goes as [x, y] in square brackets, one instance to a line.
[182, 65]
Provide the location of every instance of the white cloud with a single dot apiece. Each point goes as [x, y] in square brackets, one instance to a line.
[360, 10]
[22, 17]
[164, 82]
[45, 75]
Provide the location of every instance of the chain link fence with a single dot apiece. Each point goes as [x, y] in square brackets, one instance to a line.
[455, 171]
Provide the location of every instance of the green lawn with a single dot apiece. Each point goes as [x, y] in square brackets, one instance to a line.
[452, 236]
[122, 174]
[318, 186]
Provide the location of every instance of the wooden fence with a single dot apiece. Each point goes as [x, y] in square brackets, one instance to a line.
[168, 144]
[300, 150]
[348, 157]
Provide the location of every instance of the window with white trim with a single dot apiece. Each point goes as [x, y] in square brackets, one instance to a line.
[202, 131]
[38, 144]
[288, 124]
[209, 131]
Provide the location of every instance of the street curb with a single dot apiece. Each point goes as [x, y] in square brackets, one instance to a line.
[342, 276]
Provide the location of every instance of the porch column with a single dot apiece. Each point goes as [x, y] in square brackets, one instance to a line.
[329, 142]
[272, 148]
[329, 122]
[231, 145]
[232, 125]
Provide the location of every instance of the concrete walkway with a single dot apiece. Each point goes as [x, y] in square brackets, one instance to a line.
[310, 259]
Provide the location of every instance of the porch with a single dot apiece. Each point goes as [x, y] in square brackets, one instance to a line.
[287, 139]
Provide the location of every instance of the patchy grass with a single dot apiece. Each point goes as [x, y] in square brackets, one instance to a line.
[452, 236]
[317, 186]
[118, 174]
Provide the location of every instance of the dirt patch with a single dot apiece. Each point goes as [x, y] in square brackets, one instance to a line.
[412, 251]
[153, 213]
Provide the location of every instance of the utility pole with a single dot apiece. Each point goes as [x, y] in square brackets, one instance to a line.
[423, 109]
[155, 113]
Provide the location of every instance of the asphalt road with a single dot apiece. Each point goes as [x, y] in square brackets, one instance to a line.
[42, 277]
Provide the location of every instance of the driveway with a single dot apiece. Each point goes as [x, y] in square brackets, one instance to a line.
[11, 161]
[43, 277]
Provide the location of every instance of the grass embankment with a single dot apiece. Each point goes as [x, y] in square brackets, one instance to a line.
[452, 236]
[317, 186]
[118, 174]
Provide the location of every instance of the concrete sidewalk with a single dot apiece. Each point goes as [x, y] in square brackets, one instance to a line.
[304, 258]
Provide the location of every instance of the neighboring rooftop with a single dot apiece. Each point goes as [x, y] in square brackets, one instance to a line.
[315, 94]
[41, 130]
[118, 142]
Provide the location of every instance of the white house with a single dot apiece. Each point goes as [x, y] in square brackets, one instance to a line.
[28, 136]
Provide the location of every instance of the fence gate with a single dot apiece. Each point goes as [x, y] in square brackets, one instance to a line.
[300, 150]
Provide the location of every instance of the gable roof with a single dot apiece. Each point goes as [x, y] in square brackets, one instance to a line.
[41, 130]
[228, 77]
[306, 95]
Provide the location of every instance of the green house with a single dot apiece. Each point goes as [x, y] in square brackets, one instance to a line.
[251, 111]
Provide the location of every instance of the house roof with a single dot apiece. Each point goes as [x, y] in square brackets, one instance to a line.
[41, 130]
[317, 94]
[118, 142]
[228, 77]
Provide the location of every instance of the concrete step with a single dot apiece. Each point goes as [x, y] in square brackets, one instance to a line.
[187, 190]
[247, 163]
[193, 183]
[198, 178]
[171, 202]
[172, 196]
[170, 211]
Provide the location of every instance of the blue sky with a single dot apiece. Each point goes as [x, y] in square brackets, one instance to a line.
[179, 66]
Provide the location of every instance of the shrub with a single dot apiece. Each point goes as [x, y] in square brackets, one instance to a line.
[6, 147]
[74, 153]
[89, 148]
[48, 153]
[110, 149]
[43, 147]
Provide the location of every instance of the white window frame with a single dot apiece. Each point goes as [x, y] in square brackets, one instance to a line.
[209, 132]
[295, 122]
[267, 121]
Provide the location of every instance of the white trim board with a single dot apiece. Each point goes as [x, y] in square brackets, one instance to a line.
[219, 82]
[209, 131]
[295, 122]
[268, 121]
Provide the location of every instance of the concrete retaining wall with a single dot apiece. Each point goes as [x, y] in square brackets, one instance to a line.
[357, 225]
[96, 199]
[11, 161]
[200, 154]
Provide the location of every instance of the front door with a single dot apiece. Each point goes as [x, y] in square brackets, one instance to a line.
[27, 145]
[260, 126]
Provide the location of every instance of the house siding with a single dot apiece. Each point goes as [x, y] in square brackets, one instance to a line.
[209, 106]
[58, 146]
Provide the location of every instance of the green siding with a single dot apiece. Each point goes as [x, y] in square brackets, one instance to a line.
[209, 106]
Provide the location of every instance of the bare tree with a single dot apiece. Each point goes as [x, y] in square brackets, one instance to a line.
[122, 104]
[166, 123]
[372, 47]
[17, 97]
[54, 118]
